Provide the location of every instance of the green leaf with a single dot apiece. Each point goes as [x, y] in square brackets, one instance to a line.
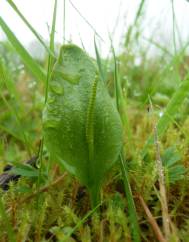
[173, 170]
[82, 128]
[24, 170]
[176, 173]
[170, 157]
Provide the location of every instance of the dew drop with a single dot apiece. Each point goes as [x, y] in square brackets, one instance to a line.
[68, 74]
[51, 100]
[72, 78]
[50, 124]
[57, 88]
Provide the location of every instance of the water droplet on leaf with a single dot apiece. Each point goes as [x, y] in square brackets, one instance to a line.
[57, 88]
[51, 100]
[50, 124]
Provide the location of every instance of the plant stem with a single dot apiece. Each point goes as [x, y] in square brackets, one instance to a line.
[135, 229]
[152, 221]
[163, 195]
[95, 195]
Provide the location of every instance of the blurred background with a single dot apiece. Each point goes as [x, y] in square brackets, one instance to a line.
[107, 17]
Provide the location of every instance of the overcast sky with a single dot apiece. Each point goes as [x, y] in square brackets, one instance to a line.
[101, 14]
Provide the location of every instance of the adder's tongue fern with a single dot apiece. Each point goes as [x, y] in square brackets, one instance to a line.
[82, 128]
[90, 119]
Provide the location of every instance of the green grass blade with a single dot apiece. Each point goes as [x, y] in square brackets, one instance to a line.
[52, 35]
[136, 20]
[49, 70]
[13, 5]
[82, 221]
[121, 102]
[64, 22]
[99, 63]
[158, 45]
[116, 80]
[174, 25]
[135, 229]
[139, 12]
[52, 48]
[27, 59]
[171, 110]
[90, 25]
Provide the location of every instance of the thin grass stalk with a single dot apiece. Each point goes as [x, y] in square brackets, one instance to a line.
[162, 186]
[152, 221]
[90, 25]
[173, 20]
[99, 63]
[50, 60]
[50, 65]
[82, 221]
[136, 19]
[116, 81]
[135, 229]
[122, 104]
[64, 22]
[52, 48]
